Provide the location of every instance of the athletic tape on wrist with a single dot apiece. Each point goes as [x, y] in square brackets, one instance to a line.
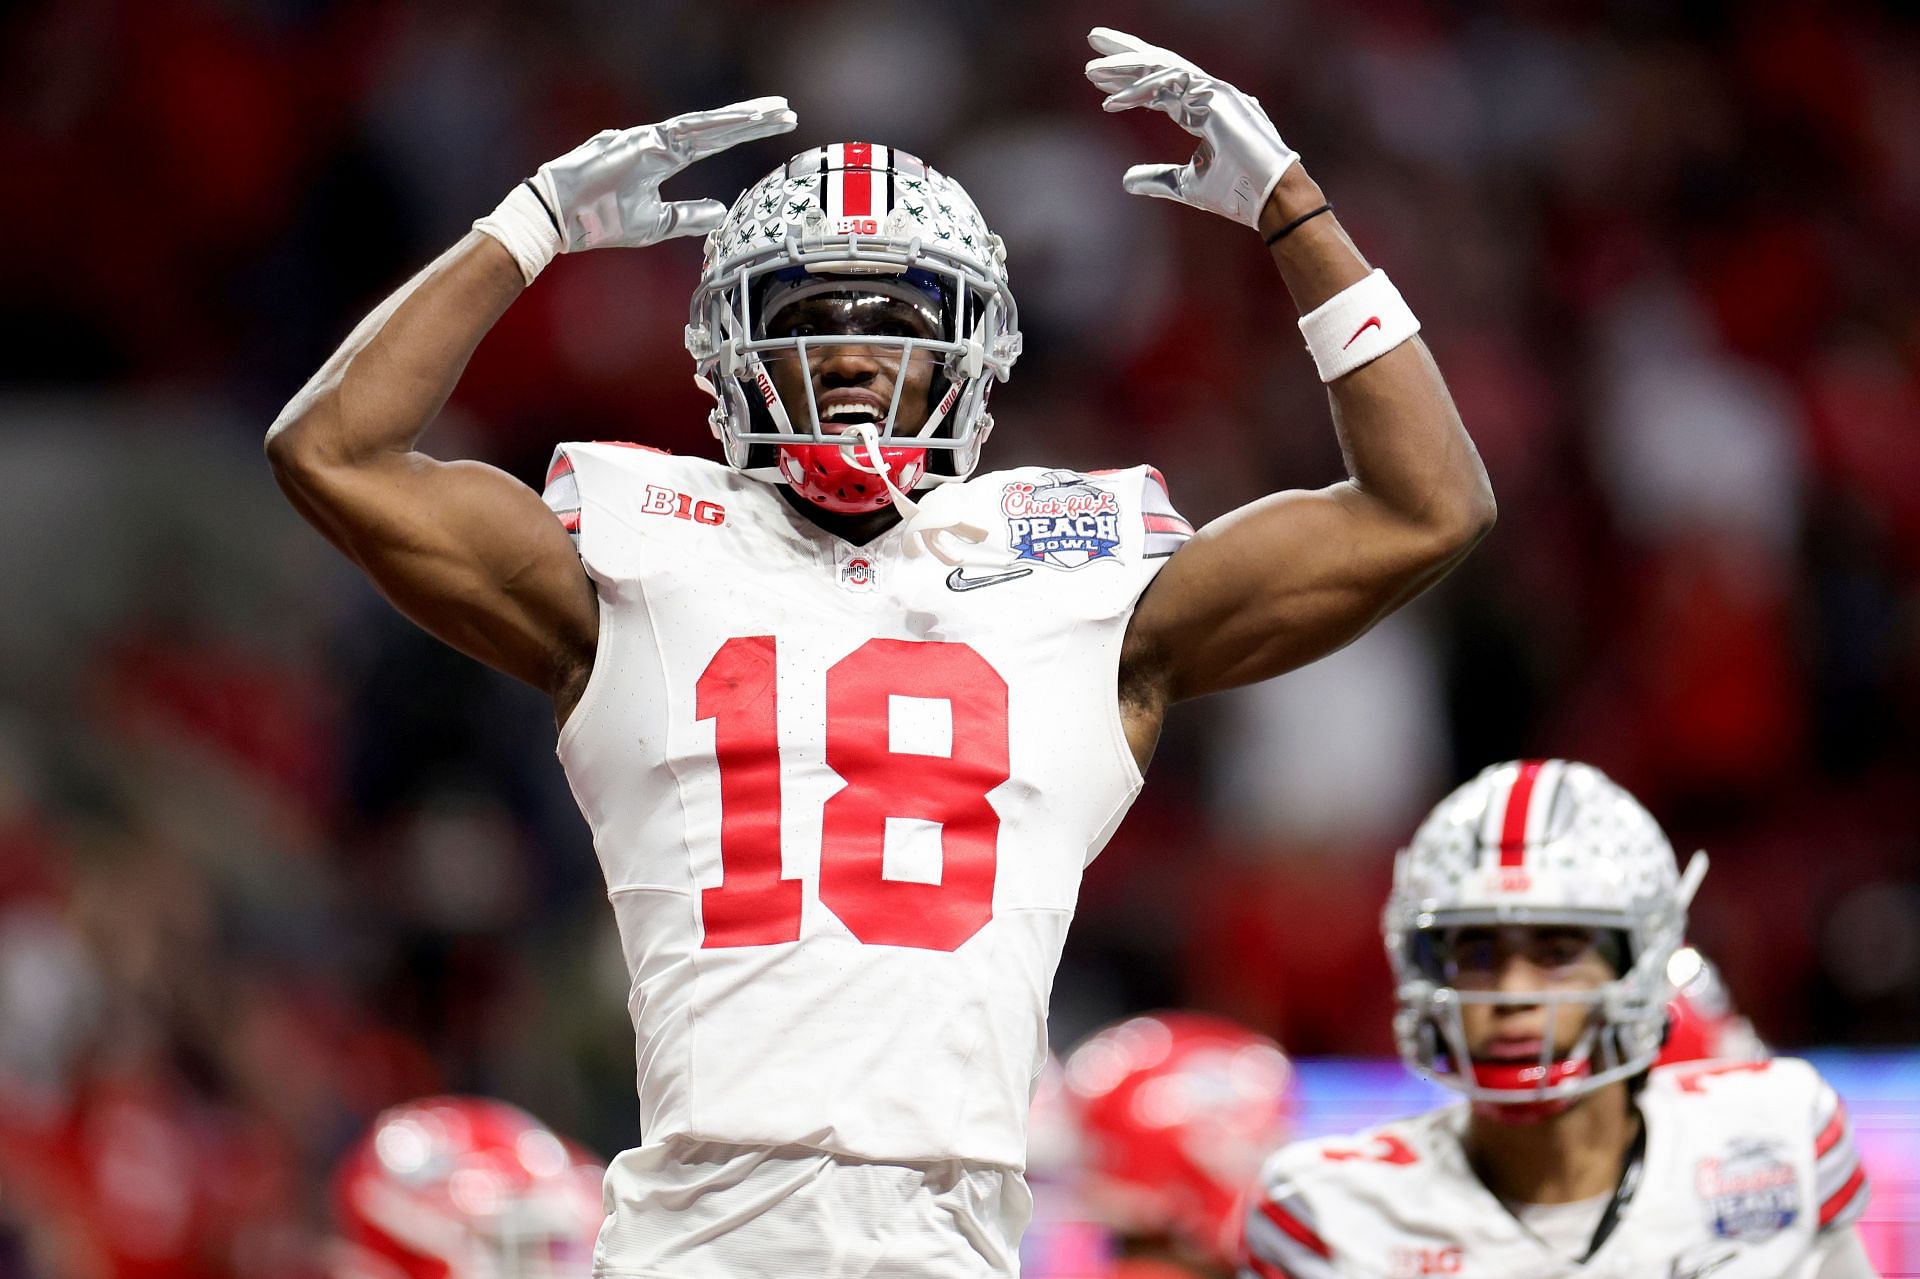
[521, 223]
[1357, 325]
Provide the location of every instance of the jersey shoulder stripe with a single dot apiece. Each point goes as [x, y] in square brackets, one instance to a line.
[1291, 1216]
[1281, 1242]
[1839, 1179]
[595, 485]
[1281, 1233]
[1166, 529]
[562, 492]
[1782, 1086]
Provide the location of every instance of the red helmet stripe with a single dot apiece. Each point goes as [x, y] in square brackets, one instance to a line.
[1513, 830]
[856, 195]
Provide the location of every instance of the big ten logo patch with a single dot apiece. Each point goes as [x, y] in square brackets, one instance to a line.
[1749, 1191]
[1409, 1263]
[682, 506]
[1065, 521]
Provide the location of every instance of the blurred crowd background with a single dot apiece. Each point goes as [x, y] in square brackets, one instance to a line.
[270, 859]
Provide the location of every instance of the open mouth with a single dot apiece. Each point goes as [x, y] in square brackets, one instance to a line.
[846, 415]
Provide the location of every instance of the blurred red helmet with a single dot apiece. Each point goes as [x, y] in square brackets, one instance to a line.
[1702, 1022]
[1179, 1111]
[465, 1188]
[1054, 1139]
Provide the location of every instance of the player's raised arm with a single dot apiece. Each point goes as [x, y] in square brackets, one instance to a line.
[463, 549]
[1297, 575]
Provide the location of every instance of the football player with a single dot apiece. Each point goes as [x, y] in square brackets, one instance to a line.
[1064, 1239]
[463, 1188]
[846, 721]
[1531, 927]
[1178, 1110]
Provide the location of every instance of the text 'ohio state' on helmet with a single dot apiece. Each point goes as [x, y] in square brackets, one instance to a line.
[858, 218]
[464, 1188]
[1179, 1109]
[1537, 843]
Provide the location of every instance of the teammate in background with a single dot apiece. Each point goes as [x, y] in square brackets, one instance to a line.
[1065, 1239]
[1702, 1021]
[1531, 926]
[1178, 1110]
[845, 752]
[464, 1188]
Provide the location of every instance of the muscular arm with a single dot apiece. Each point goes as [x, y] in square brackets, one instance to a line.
[465, 550]
[1296, 575]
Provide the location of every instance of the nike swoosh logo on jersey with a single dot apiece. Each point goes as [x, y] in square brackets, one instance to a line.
[1373, 322]
[1700, 1270]
[959, 581]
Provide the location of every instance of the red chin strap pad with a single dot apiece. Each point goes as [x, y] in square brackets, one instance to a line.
[1521, 1075]
[822, 475]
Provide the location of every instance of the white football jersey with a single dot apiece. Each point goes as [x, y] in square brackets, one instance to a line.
[843, 795]
[1749, 1169]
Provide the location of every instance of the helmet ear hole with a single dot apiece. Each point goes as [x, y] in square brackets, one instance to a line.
[1432, 1046]
[1616, 947]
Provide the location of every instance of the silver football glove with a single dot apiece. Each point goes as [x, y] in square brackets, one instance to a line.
[1240, 157]
[606, 191]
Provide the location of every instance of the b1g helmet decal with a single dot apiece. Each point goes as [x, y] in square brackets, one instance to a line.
[855, 217]
[1537, 843]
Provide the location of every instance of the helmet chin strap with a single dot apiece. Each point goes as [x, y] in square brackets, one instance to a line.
[919, 540]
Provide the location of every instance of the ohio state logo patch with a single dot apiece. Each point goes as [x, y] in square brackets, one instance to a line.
[1749, 1191]
[1064, 521]
[856, 573]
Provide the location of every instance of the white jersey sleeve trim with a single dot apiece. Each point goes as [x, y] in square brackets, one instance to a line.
[562, 493]
[1839, 1180]
[1282, 1237]
[1166, 529]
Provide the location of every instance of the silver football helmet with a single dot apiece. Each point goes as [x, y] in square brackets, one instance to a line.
[854, 217]
[1537, 842]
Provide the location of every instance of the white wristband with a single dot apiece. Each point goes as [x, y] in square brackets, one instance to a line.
[521, 222]
[1357, 325]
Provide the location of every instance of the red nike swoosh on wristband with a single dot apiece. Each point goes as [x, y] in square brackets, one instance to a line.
[1373, 322]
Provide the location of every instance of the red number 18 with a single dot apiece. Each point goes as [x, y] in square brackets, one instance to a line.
[753, 905]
